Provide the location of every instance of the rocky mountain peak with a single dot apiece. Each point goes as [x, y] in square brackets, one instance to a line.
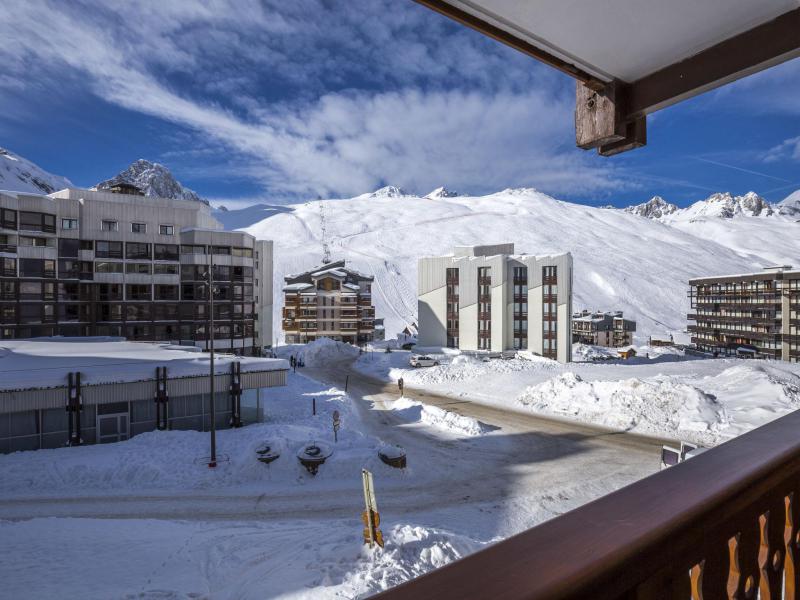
[153, 179]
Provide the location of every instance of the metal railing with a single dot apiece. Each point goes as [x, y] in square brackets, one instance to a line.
[721, 525]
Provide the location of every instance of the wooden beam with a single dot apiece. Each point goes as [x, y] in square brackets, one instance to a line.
[754, 50]
[598, 116]
[503, 36]
[635, 137]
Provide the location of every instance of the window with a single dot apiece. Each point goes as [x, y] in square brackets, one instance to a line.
[138, 292]
[162, 269]
[37, 242]
[166, 229]
[137, 250]
[35, 267]
[34, 221]
[68, 248]
[69, 269]
[8, 267]
[109, 225]
[108, 249]
[140, 268]
[108, 267]
[69, 223]
[8, 218]
[189, 249]
[221, 250]
[87, 245]
[245, 252]
[165, 252]
[138, 227]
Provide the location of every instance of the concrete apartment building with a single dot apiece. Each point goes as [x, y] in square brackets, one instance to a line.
[487, 298]
[88, 263]
[753, 315]
[609, 329]
[329, 301]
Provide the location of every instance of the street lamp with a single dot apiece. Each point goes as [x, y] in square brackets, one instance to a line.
[208, 278]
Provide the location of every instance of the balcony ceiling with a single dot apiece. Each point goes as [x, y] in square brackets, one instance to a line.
[624, 39]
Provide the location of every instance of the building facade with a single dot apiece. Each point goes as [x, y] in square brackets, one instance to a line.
[609, 329]
[87, 263]
[329, 301]
[486, 298]
[96, 390]
[756, 314]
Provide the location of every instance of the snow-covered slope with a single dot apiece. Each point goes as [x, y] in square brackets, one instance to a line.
[18, 174]
[790, 206]
[655, 208]
[153, 179]
[725, 206]
[622, 261]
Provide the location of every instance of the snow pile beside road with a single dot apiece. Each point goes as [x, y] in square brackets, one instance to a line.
[660, 405]
[434, 416]
[321, 352]
[588, 353]
[410, 551]
[464, 367]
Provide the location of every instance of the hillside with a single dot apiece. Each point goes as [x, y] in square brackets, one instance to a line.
[18, 174]
[622, 261]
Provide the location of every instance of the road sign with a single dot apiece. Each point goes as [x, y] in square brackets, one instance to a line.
[370, 516]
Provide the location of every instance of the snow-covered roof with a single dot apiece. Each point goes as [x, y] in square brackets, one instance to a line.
[45, 362]
[294, 287]
[335, 271]
[351, 286]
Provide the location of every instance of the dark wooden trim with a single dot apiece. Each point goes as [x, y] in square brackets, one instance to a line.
[754, 50]
[504, 37]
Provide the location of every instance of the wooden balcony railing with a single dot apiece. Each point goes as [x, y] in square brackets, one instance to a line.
[721, 525]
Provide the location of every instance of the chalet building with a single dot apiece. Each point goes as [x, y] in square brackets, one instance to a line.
[329, 301]
[607, 329]
[487, 298]
[755, 315]
[98, 263]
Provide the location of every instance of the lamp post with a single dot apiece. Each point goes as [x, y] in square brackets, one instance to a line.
[209, 277]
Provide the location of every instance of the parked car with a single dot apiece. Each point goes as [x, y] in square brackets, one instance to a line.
[672, 456]
[422, 360]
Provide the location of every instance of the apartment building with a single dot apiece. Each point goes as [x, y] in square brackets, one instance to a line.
[487, 298]
[609, 329]
[97, 263]
[754, 314]
[328, 301]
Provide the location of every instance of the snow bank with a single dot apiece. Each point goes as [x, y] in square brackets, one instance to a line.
[439, 418]
[324, 351]
[409, 551]
[464, 367]
[656, 406]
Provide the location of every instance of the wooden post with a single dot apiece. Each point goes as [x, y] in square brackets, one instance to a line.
[635, 137]
[598, 116]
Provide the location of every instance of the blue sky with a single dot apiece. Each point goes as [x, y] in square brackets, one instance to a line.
[272, 101]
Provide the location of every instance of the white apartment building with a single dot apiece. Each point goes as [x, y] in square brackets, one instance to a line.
[487, 298]
[103, 263]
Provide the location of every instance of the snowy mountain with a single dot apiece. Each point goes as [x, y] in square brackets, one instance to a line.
[442, 192]
[622, 261]
[390, 191]
[153, 179]
[655, 208]
[717, 206]
[18, 174]
[790, 206]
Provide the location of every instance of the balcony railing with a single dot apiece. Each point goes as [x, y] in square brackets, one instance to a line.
[8, 248]
[724, 524]
[550, 280]
[549, 298]
[484, 316]
[484, 281]
[451, 280]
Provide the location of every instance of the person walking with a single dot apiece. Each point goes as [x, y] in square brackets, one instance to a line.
[400, 384]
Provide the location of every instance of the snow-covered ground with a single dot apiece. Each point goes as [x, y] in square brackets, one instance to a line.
[660, 392]
[148, 519]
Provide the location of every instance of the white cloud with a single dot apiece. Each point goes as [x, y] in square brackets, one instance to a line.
[377, 100]
[787, 150]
